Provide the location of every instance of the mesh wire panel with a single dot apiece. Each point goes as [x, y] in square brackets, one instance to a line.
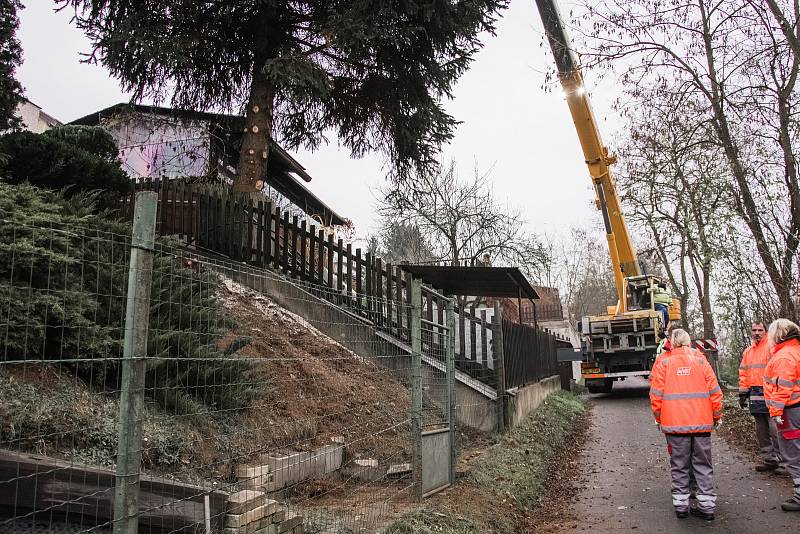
[289, 396]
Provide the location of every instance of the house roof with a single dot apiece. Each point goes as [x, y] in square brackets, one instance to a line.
[475, 281]
[281, 167]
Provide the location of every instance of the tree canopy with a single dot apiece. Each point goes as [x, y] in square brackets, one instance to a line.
[10, 59]
[373, 72]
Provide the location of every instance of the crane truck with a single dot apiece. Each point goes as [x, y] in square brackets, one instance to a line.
[621, 342]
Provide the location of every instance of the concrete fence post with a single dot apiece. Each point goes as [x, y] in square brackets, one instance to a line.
[499, 365]
[416, 384]
[451, 384]
[131, 400]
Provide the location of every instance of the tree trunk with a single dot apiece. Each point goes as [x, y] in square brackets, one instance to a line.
[254, 153]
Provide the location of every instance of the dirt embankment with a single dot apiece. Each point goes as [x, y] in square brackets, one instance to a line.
[308, 389]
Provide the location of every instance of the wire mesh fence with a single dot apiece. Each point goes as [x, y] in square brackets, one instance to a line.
[244, 416]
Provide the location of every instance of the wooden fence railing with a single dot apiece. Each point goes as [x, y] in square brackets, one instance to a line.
[264, 235]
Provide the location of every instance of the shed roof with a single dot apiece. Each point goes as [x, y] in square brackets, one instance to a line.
[475, 281]
[280, 166]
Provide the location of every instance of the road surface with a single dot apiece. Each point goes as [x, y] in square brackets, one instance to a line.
[627, 486]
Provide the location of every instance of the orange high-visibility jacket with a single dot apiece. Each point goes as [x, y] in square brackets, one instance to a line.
[684, 393]
[754, 361]
[782, 377]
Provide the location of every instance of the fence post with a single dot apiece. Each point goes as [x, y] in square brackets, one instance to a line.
[499, 365]
[131, 401]
[416, 383]
[451, 384]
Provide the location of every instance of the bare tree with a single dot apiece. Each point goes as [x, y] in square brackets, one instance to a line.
[462, 222]
[735, 63]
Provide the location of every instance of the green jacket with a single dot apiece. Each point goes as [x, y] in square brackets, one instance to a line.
[662, 296]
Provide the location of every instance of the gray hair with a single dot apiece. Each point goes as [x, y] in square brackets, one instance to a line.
[780, 330]
[680, 338]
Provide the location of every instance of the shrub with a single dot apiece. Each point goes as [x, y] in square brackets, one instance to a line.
[79, 158]
[63, 280]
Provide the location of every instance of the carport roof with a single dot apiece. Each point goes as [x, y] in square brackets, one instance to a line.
[475, 281]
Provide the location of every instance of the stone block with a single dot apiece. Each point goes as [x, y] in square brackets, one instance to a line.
[254, 476]
[272, 528]
[398, 470]
[240, 520]
[244, 501]
[288, 470]
[326, 460]
[290, 523]
[279, 515]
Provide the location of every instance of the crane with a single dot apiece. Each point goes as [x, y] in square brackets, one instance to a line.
[621, 342]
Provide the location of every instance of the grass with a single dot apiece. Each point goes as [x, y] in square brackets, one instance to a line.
[507, 482]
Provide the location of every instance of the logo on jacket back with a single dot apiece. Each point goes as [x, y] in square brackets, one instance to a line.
[684, 371]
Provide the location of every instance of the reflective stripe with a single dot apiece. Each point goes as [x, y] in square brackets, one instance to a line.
[743, 390]
[715, 390]
[706, 498]
[656, 392]
[753, 366]
[679, 498]
[795, 395]
[691, 428]
[775, 404]
[756, 397]
[680, 396]
[770, 380]
[784, 383]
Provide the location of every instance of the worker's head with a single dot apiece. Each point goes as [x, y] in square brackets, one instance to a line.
[680, 338]
[758, 330]
[782, 329]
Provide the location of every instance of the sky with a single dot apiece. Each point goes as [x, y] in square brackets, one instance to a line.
[510, 124]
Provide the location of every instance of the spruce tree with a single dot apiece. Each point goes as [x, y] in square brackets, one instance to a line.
[373, 72]
[10, 59]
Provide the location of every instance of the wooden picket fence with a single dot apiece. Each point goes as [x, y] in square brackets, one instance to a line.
[262, 234]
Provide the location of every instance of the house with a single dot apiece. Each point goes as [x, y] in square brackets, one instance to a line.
[165, 143]
[33, 118]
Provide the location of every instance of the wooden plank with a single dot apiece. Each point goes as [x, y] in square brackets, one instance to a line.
[312, 253]
[484, 355]
[276, 248]
[251, 230]
[409, 304]
[339, 271]
[462, 334]
[389, 298]
[330, 261]
[368, 285]
[399, 299]
[321, 257]
[300, 265]
[379, 302]
[349, 278]
[473, 345]
[260, 234]
[285, 243]
[359, 289]
[293, 263]
[267, 231]
[84, 495]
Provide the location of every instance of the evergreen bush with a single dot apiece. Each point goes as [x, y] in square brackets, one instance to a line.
[63, 279]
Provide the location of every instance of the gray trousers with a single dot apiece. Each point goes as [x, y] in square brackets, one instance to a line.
[790, 449]
[767, 437]
[691, 455]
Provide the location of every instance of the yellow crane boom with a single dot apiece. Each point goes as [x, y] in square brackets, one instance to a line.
[625, 262]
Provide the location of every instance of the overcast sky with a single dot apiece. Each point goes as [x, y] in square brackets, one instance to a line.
[510, 124]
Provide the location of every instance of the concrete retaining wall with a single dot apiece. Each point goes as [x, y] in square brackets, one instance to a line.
[522, 401]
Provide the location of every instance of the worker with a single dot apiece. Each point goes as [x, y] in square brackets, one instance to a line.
[665, 345]
[751, 394]
[782, 393]
[687, 406]
[662, 298]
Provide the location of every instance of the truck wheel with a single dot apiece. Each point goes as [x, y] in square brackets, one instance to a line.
[605, 386]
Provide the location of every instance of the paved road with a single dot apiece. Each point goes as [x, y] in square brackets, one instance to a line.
[628, 486]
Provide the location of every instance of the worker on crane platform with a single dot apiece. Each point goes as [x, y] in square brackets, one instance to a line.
[687, 405]
[662, 298]
[751, 395]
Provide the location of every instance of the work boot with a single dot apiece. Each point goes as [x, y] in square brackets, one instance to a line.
[705, 516]
[682, 514]
[791, 506]
[766, 467]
